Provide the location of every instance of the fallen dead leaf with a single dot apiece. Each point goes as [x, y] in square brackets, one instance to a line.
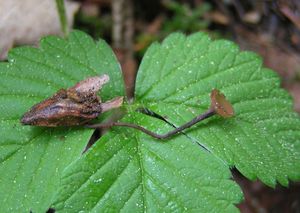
[26, 21]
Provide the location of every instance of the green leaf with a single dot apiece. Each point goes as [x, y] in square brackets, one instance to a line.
[262, 140]
[129, 171]
[32, 158]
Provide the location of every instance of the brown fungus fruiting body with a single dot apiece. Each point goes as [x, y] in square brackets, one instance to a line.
[220, 105]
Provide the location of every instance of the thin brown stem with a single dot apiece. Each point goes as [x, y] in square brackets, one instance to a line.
[192, 122]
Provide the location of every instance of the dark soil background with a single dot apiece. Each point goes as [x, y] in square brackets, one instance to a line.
[270, 28]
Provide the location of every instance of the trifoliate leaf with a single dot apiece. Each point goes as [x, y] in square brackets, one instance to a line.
[32, 158]
[137, 173]
[129, 171]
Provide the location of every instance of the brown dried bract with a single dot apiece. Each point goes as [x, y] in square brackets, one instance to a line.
[74, 106]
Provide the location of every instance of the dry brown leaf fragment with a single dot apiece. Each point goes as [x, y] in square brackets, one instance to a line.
[26, 21]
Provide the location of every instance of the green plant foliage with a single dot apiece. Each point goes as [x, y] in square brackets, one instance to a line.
[127, 170]
[32, 158]
[185, 18]
[60, 6]
[262, 140]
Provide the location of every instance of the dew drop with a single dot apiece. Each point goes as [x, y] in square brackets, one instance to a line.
[98, 180]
